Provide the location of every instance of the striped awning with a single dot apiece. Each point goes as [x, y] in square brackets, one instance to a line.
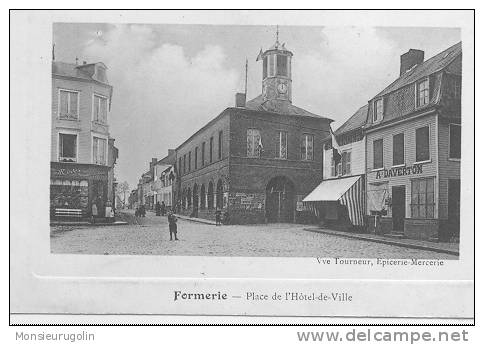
[348, 191]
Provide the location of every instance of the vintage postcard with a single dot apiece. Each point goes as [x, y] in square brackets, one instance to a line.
[272, 164]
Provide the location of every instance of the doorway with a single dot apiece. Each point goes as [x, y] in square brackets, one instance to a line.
[398, 208]
[280, 200]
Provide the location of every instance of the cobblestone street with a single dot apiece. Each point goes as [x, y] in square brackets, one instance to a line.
[151, 237]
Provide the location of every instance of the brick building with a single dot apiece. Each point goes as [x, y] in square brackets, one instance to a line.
[256, 161]
[413, 149]
[82, 152]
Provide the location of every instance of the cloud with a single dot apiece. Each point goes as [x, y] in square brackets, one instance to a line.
[343, 71]
[161, 95]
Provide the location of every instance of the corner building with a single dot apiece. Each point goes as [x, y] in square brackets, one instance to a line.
[254, 162]
[413, 149]
[83, 154]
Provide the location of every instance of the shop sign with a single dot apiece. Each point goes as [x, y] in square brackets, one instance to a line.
[400, 171]
[67, 172]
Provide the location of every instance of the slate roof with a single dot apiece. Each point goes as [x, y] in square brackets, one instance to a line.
[357, 120]
[280, 107]
[426, 68]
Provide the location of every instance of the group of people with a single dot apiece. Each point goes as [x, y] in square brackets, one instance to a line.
[97, 208]
[140, 211]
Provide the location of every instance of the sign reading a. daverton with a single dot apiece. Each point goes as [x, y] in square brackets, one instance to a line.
[400, 171]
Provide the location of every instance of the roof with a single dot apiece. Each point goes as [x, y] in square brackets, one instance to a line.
[72, 70]
[331, 190]
[277, 106]
[357, 120]
[426, 68]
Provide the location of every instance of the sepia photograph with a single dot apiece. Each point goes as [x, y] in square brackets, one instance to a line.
[266, 140]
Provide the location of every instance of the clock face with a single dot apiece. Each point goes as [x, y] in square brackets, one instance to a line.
[282, 88]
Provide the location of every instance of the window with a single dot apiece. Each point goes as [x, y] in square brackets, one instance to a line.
[307, 142]
[100, 109]
[378, 154]
[422, 144]
[196, 158]
[454, 144]
[423, 93]
[184, 163]
[422, 205]
[253, 142]
[334, 169]
[264, 68]
[101, 74]
[211, 150]
[378, 110]
[203, 154]
[67, 147]
[282, 65]
[220, 136]
[456, 88]
[99, 151]
[398, 149]
[345, 163]
[180, 166]
[281, 146]
[271, 66]
[189, 161]
[68, 104]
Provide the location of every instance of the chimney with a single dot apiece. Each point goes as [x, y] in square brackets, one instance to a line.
[240, 100]
[409, 59]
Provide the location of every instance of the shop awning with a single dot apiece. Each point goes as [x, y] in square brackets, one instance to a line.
[331, 190]
[348, 191]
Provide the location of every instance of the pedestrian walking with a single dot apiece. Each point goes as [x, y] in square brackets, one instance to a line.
[172, 226]
[163, 208]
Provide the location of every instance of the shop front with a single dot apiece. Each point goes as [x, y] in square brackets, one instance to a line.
[339, 203]
[77, 186]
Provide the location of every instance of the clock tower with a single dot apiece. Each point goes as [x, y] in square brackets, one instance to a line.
[276, 72]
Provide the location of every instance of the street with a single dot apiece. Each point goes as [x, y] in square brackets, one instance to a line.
[151, 237]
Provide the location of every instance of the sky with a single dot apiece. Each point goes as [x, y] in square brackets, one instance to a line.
[169, 80]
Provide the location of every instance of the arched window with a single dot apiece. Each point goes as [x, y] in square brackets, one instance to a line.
[210, 195]
[202, 197]
[220, 194]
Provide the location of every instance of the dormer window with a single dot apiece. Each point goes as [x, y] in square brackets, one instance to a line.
[101, 74]
[422, 93]
[378, 110]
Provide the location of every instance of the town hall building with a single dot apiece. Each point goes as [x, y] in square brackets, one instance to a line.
[255, 162]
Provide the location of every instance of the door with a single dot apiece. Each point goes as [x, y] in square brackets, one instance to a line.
[454, 208]
[398, 207]
[280, 201]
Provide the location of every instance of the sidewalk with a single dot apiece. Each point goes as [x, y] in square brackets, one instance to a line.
[439, 247]
[85, 223]
[197, 220]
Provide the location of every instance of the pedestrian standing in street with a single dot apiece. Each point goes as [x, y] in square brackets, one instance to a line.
[218, 217]
[158, 210]
[163, 208]
[172, 226]
[93, 212]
